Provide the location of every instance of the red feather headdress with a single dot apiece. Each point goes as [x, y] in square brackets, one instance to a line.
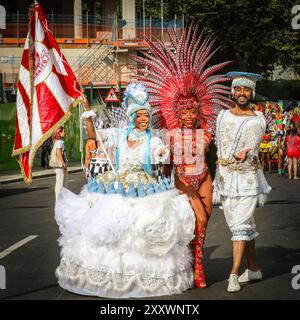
[181, 78]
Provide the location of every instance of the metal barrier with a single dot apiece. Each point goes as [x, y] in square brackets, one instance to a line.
[88, 27]
[96, 33]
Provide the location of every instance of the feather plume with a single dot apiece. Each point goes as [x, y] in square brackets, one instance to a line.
[177, 79]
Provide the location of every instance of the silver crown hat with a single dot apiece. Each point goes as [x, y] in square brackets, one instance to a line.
[244, 79]
[136, 98]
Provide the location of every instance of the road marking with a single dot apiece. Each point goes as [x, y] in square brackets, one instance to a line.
[16, 246]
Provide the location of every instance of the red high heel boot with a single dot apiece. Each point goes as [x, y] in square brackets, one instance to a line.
[198, 243]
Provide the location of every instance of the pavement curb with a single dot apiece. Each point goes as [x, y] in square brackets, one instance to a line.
[37, 176]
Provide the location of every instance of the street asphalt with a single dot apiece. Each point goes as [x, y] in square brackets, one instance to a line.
[30, 268]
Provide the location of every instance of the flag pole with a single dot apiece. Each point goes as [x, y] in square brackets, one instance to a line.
[56, 93]
[31, 65]
[81, 136]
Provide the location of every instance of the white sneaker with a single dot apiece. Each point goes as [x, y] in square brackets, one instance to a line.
[249, 275]
[233, 285]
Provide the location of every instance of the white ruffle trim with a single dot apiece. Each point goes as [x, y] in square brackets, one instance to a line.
[165, 154]
[231, 186]
[88, 114]
[244, 232]
[76, 279]
[217, 196]
[132, 237]
[245, 238]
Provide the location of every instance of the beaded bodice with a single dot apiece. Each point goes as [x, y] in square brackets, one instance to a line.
[238, 133]
[132, 159]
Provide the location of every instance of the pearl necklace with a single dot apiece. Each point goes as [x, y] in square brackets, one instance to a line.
[137, 136]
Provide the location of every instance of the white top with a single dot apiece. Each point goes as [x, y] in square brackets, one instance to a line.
[60, 144]
[133, 159]
[235, 134]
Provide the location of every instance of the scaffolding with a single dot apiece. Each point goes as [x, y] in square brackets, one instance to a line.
[104, 61]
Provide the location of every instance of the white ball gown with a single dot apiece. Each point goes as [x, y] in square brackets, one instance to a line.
[125, 237]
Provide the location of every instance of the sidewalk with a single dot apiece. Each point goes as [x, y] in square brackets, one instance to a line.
[9, 176]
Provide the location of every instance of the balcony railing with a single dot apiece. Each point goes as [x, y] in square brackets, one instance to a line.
[85, 29]
[91, 27]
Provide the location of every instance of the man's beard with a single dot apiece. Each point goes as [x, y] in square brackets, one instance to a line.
[243, 105]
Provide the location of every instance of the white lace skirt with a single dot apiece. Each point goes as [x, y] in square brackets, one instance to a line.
[119, 247]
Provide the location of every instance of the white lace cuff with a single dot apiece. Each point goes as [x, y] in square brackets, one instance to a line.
[88, 114]
[161, 154]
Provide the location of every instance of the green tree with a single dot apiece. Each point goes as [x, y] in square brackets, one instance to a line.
[257, 35]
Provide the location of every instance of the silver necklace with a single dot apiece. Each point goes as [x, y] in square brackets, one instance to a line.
[137, 136]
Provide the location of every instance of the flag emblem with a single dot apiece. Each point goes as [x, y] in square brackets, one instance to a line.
[46, 90]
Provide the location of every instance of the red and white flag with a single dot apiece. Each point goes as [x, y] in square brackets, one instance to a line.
[47, 90]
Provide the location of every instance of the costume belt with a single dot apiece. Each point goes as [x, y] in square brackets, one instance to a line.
[235, 165]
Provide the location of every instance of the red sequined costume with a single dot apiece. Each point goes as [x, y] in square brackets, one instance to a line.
[179, 79]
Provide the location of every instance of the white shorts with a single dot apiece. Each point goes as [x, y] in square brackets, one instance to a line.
[239, 215]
